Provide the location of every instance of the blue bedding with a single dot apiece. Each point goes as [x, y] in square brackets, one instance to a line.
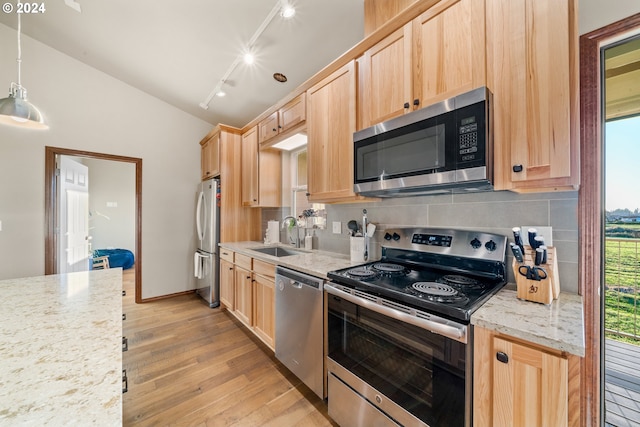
[117, 257]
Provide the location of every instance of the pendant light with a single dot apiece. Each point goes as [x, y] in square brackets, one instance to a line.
[15, 110]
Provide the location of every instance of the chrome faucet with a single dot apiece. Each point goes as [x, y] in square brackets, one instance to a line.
[295, 221]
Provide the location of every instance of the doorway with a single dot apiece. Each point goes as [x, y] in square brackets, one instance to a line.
[51, 208]
[591, 208]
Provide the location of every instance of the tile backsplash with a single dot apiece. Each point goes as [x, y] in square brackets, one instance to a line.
[494, 212]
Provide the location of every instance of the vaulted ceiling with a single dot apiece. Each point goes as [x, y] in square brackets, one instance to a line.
[178, 51]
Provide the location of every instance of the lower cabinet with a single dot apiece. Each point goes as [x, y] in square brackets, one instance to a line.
[247, 290]
[517, 383]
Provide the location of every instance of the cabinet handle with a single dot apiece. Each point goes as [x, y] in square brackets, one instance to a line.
[125, 381]
[230, 268]
[124, 293]
[279, 127]
[502, 357]
[125, 344]
[274, 129]
[416, 102]
[248, 277]
[517, 168]
[406, 105]
[308, 194]
[124, 316]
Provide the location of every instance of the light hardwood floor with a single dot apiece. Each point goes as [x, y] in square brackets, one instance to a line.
[191, 365]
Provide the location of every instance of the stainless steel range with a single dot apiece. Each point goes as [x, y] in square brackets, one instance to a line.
[399, 337]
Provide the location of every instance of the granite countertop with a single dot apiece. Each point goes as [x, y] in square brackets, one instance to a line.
[61, 349]
[316, 263]
[559, 325]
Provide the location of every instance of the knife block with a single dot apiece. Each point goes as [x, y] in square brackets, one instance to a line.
[542, 291]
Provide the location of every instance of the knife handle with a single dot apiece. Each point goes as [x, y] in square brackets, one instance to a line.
[517, 237]
[541, 255]
[532, 237]
[517, 253]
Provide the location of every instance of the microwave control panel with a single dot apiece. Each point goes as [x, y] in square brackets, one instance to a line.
[471, 137]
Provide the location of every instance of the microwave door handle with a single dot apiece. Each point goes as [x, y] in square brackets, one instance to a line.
[458, 332]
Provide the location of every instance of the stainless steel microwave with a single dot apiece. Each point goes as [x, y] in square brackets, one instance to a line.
[445, 147]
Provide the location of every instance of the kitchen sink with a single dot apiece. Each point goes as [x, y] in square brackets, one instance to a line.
[278, 251]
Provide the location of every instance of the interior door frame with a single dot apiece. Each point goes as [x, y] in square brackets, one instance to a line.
[591, 210]
[51, 239]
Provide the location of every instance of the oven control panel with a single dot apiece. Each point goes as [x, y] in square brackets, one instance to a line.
[463, 243]
[432, 239]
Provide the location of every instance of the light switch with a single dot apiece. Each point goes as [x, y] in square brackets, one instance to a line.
[337, 227]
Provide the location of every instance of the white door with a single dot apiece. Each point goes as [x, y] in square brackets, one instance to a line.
[73, 216]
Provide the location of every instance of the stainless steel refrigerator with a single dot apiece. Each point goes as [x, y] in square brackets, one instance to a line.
[207, 259]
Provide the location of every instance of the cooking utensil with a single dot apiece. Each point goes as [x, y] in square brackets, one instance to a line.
[353, 226]
[532, 272]
[371, 228]
[366, 236]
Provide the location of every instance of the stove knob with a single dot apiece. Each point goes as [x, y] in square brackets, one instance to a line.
[475, 243]
[396, 236]
[491, 246]
[387, 236]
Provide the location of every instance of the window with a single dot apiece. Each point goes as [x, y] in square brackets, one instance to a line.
[313, 213]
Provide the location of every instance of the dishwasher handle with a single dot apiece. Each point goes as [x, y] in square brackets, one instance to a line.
[298, 279]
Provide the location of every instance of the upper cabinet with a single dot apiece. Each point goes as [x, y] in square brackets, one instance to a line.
[331, 121]
[286, 118]
[261, 173]
[210, 156]
[438, 55]
[532, 72]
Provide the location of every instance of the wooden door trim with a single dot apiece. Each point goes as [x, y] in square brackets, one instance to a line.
[590, 210]
[50, 240]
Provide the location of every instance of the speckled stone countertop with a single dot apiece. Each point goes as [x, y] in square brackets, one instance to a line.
[559, 325]
[316, 263]
[61, 349]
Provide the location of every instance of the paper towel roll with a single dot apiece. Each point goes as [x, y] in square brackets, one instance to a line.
[273, 232]
[357, 249]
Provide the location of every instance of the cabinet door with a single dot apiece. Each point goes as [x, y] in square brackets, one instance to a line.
[293, 113]
[243, 293]
[532, 72]
[227, 288]
[264, 309]
[210, 157]
[530, 386]
[250, 168]
[330, 125]
[386, 75]
[268, 128]
[449, 49]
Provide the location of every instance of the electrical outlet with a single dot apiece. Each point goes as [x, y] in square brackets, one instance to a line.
[337, 227]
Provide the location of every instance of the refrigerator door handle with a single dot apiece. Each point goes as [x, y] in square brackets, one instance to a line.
[199, 208]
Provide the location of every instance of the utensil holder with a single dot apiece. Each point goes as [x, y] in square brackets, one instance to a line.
[543, 291]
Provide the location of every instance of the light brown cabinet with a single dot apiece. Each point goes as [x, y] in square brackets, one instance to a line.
[210, 157]
[532, 72]
[438, 55]
[522, 384]
[243, 296]
[261, 173]
[227, 279]
[264, 301]
[331, 121]
[286, 118]
[247, 290]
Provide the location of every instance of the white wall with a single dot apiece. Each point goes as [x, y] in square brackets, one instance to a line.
[594, 14]
[112, 204]
[88, 110]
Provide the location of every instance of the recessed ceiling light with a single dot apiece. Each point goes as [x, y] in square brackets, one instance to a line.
[279, 77]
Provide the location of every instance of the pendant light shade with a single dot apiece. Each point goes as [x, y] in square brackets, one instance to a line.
[15, 110]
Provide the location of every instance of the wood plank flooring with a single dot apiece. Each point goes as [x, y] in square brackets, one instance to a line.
[191, 365]
[622, 384]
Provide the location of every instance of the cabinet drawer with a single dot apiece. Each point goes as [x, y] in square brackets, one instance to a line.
[226, 254]
[264, 268]
[243, 261]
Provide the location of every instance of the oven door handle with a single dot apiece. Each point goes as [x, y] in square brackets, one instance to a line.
[450, 329]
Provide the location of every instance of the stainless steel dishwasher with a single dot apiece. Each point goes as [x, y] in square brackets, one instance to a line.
[299, 326]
